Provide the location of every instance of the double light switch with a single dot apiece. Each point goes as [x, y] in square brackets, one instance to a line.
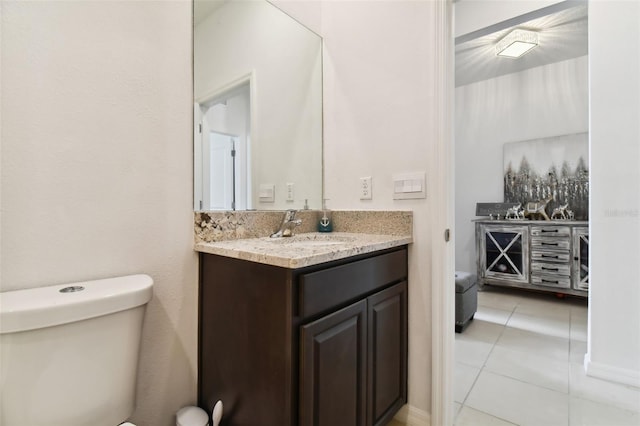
[409, 185]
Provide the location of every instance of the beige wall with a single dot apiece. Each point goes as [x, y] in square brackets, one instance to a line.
[97, 167]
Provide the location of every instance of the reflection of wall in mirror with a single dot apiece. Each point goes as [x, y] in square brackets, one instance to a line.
[240, 38]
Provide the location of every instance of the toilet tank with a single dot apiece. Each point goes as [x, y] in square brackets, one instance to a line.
[69, 353]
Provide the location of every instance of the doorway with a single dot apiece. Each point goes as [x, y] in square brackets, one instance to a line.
[218, 173]
[580, 394]
[222, 150]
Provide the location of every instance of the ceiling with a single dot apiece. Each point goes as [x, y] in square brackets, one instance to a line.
[562, 35]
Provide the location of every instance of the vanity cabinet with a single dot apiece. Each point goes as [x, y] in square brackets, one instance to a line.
[320, 345]
[542, 255]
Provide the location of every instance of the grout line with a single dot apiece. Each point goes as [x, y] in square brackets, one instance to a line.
[489, 414]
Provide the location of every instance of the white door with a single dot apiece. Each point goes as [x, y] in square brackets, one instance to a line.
[220, 150]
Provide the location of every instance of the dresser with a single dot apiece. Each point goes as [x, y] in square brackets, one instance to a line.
[542, 255]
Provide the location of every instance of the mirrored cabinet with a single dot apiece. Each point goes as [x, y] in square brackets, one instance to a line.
[543, 255]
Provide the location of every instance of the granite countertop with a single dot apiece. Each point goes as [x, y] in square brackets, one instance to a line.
[304, 249]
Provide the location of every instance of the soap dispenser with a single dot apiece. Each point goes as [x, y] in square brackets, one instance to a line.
[325, 224]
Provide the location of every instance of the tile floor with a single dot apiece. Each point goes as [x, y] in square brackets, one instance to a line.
[520, 362]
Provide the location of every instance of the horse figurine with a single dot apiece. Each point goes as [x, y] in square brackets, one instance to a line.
[515, 212]
[562, 212]
[535, 209]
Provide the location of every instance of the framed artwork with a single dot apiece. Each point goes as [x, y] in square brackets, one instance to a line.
[554, 167]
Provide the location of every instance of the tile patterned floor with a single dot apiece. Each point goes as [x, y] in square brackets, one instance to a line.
[520, 362]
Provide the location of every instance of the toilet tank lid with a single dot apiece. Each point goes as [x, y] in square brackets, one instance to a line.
[33, 308]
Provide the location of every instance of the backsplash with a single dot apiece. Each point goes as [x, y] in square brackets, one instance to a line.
[233, 225]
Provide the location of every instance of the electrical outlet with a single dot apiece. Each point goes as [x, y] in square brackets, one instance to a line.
[289, 191]
[366, 192]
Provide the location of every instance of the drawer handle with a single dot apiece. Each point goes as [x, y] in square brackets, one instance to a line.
[550, 257]
[550, 269]
[545, 230]
[549, 244]
[550, 282]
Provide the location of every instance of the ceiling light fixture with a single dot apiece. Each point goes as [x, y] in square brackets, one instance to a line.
[517, 43]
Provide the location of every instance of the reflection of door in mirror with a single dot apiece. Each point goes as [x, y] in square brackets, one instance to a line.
[222, 151]
[218, 172]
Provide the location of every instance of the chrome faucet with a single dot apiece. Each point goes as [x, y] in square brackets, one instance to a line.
[288, 223]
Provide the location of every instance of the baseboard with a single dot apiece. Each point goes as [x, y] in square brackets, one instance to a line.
[612, 374]
[412, 416]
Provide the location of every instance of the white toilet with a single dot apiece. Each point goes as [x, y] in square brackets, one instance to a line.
[69, 353]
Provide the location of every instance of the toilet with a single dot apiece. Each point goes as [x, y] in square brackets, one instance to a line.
[69, 353]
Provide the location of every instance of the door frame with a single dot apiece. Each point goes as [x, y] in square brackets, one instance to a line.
[443, 251]
[209, 98]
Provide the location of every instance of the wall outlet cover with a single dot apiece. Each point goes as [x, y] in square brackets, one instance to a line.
[366, 192]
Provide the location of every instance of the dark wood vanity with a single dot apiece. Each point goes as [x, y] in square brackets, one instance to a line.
[322, 345]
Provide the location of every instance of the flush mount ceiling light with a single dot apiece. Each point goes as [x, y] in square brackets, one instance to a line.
[517, 43]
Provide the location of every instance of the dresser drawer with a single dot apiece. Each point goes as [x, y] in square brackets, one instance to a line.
[331, 288]
[550, 231]
[551, 268]
[550, 256]
[550, 280]
[550, 243]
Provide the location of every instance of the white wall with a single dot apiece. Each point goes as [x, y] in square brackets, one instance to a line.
[614, 314]
[97, 167]
[380, 115]
[286, 139]
[546, 101]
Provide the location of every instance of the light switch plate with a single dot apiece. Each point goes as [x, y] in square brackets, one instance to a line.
[267, 193]
[409, 186]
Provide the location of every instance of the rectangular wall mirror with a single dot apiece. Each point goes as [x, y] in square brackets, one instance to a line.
[257, 108]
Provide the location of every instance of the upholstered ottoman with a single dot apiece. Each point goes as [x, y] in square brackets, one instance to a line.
[466, 299]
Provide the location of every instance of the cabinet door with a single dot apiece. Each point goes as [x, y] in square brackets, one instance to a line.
[387, 353]
[581, 258]
[504, 252]
[332, 368]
